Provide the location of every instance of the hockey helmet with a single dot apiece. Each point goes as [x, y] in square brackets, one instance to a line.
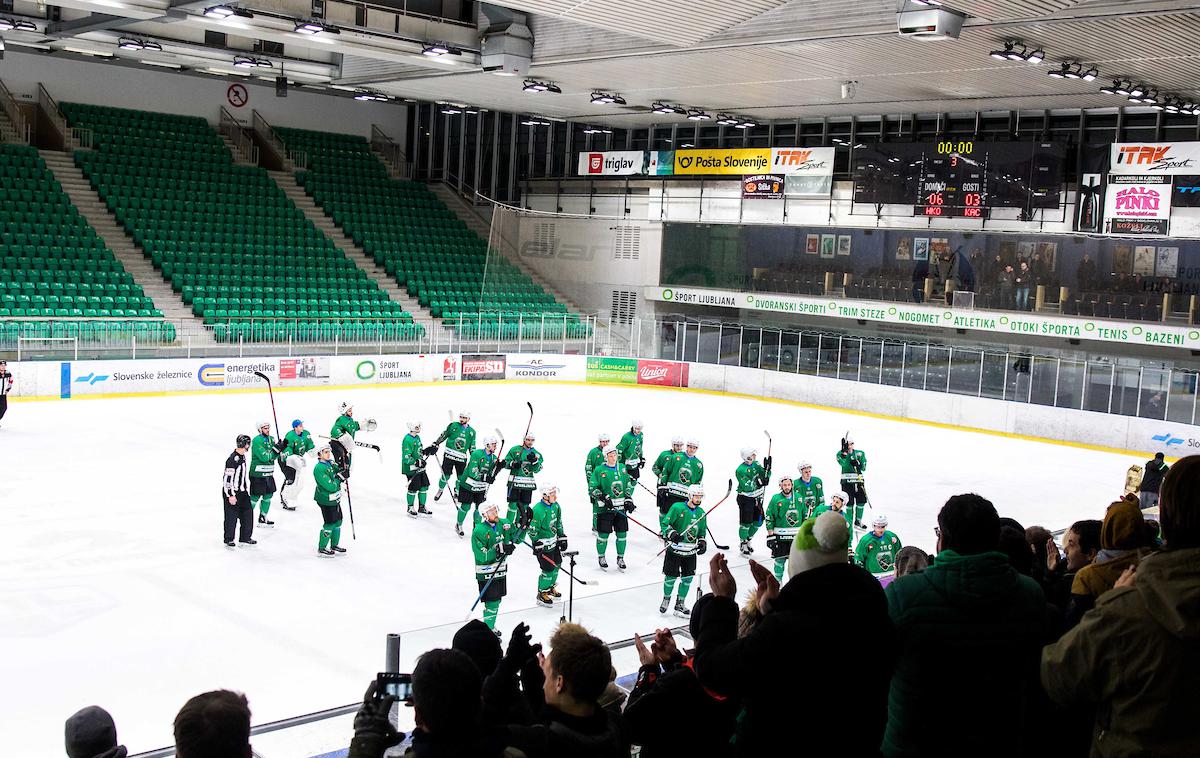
[549, 489]
[610, 450]
[490, 440]
[487, 509]
[326, 449]
[346, 408]
[413, 426]
[693, 442]
[677, 440]
[785, 476]
[243, 440]
[696, 490]
[604, 437]
[636, 424]
[879, 521]
[464, 413]
[840, 496]
[748, 453]
[296, 423]
[803, 465]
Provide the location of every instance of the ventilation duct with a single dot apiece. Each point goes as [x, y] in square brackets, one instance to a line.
[507, 41]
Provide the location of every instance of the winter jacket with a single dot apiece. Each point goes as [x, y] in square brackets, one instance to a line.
[1152, 475]
[1122, 533]
[560, 735]
[804, 645]
[489, 743]
[675, 696]
[1136, 656]
[970, 631]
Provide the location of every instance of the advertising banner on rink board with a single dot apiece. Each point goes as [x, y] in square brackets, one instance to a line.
[479, 367]
[78, 378]
[662, 373]
[385, 369]
[612, 370]
[542, 367]
[743, 161]
[932, 316]
[1137, 204]
[1160, 158]
[612, 163]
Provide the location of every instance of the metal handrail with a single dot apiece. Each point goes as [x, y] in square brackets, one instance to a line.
[390, 152]
[266, 132]
[14, 113]
[242, 142]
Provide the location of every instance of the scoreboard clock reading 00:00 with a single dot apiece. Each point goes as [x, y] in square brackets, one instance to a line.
[959, 177]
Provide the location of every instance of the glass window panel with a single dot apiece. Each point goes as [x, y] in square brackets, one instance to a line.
[1154, 394]
[1041, 378]
[848, 361]
[893, 363]
[964, 372]
[751, 346]
[872, 359]
[938, 373]
[994, 370]
[808, 354]
[828, 356]
[1098, 388]
[789, 358]
[1182, 399]
[1070, 385]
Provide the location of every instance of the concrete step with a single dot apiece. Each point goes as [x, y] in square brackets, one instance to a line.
[313, 212]
[132, 257]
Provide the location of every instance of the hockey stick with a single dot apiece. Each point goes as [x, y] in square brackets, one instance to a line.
[359, 444]
[728, 489]
[769, 441]
[547, 559]
[270, 392]
[486, 584]
[716, 544]
[350, 507]
[713, 538]
[529, 423]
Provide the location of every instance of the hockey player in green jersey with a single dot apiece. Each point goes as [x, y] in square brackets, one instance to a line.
[853, 463]
[548, 540]
[460, 442]
[660, 470]
[877, 550]
[473, 482]
[342, 434]
[684, 528]
[809, 490]
[492, 542]
[595, 459]
[328, 477]
[612, 499]
[630, 450]
[522, 461]
[784, 515]
[413, 467]
[682, 471]
[751, 484]
[297, 448]
[264, 452]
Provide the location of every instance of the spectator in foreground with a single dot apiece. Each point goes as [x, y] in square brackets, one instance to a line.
[1036, 538]
[1123, 541]
[970, 617]
[513, 693]
[911, 560]
[573, 723]
[1135, 656]
[1152, 476]
[91, 733]
[1081, 543]
[213, 725]
[828, 606]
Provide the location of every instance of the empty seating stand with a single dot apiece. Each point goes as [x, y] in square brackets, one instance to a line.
[226, 236]
[54, 266]
[422, 244]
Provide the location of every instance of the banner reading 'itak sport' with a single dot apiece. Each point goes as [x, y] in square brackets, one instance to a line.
[1172, 158]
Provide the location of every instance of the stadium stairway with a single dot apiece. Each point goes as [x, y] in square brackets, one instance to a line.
[296, 193]
[84, 197]
[471, 216]
[8, 133]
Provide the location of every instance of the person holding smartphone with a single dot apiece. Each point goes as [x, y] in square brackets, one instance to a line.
[6, 383]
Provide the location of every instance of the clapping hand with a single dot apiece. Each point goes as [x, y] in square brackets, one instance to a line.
[768, 585]
[720, 580]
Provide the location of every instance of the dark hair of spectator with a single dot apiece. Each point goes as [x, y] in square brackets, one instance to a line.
[1179, 504]
[969, 525]
[1013, 544]
[1088, 533]
[213, 725]
[445, 688]
[581, 660]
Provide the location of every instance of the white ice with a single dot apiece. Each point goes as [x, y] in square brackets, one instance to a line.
[116, 589]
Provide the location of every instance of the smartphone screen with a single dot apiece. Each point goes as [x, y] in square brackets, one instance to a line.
[397, 685]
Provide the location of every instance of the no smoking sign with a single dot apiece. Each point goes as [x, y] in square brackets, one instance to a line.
[237, 95]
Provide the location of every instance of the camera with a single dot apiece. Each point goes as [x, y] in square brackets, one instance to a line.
[395, 684]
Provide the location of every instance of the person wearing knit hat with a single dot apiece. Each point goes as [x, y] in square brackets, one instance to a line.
[91, 733]
[876, 551]
[480, 644]
[819, 542]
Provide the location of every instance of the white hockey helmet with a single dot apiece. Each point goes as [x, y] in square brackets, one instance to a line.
[635, 424]
[490, 440]
[748, 453]
[696, 489]
[677, 439]
[803, 465]
[345, 408]
[693, 442]
[841, 496]
[530, 435]
[489, 508]
[413, 426]
[880, 520]
[849, 439]
[786, 475]
[604, 437]
[324, 449]
[609, 450]
[265, 424]
[464, 413]
[548, 489]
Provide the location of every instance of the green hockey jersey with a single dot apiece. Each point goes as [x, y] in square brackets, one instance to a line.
[660, 466]
[486, 541]
[459, 439]
[344, 425]
[478, 472]
[811, 493]
[690, 523]
[545, 527]
[611, 481]
[878, 554]
[263, 456]
[521, 469]
[784, 515]
[298, 444]
[629, 449]
[751, 479]
[328, 490]
[595, 459]
[412, 462]
[853, 465]
[683, 471]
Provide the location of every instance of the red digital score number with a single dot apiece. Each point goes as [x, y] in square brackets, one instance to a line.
[974, 205]
[933, 204]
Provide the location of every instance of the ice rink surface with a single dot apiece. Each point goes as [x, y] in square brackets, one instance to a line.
[117, 590]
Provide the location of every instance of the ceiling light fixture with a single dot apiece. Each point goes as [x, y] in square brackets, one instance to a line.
[747, 124]
[1002, 55]
[597, 130]
[534, 86]
[724, 119]
[1036, 57]
[16, 25]
[664, 109]
[695, 114]
[534, 121]
[1137, 90]
[219, 11]
[1114, 89]
[437, 49]
[1091, 74]
[309, 27]
[367, 96]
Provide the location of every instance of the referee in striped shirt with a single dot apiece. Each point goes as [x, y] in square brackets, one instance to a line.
[235, 494]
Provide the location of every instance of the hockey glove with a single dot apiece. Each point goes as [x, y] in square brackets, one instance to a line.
[531, 457]
[281, 445]
[672, 536]
[562, 543]
[767, 463]
[342, 475]
[629, 506]
[508, 548]
[845, 445]
[772, 543]
[641, 463]
[703, 543]
[608, 503]
[429, 450]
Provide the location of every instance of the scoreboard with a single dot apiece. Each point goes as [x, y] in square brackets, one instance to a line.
[961, 178]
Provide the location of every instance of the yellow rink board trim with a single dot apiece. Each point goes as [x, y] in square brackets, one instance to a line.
[696, 390]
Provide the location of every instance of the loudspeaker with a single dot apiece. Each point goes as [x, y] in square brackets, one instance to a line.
[281, 86]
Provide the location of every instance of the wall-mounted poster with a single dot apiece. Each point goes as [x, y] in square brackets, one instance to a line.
[828, 243]
[1122, 259]
[920, 248]
[939, 247]
[1167, 262]
[813, 245]
[843, 247]
[1143, 260]
[1049, 252]
[1024, 250]
[904, 249]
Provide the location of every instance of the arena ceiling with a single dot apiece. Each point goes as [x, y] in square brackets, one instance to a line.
[762, 59]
